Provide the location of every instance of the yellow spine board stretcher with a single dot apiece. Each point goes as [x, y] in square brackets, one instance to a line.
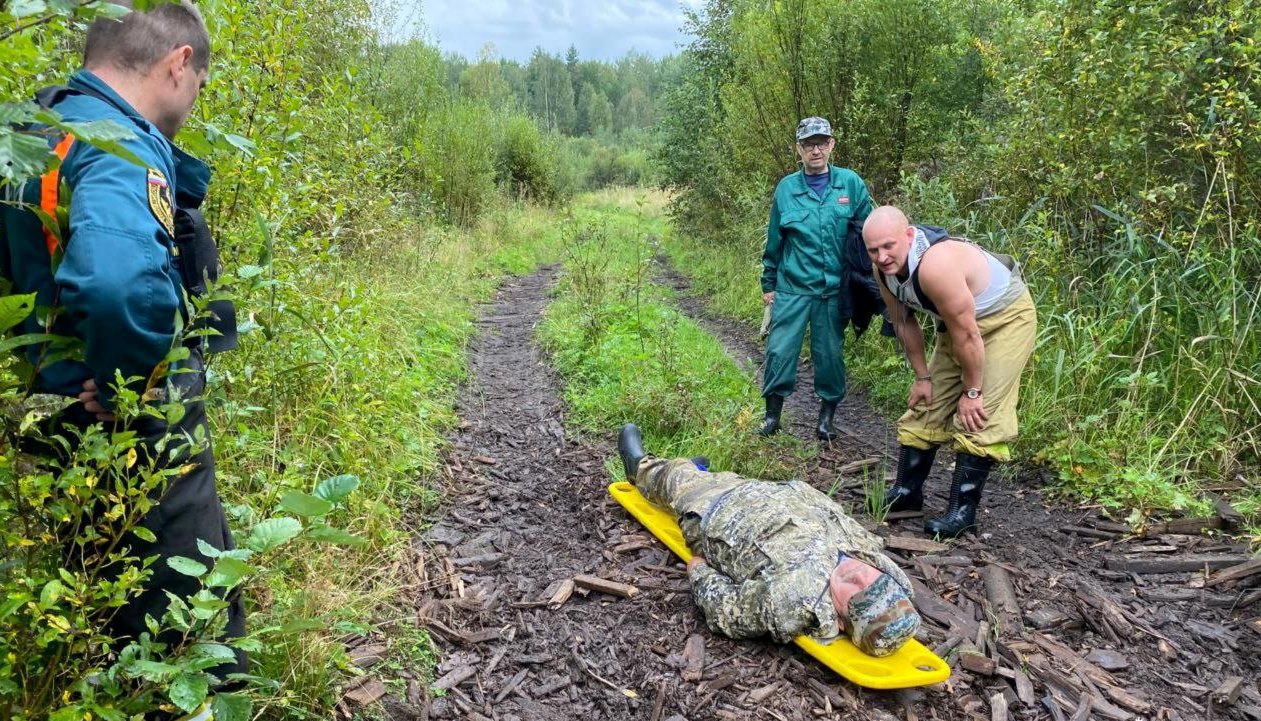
[912, 665]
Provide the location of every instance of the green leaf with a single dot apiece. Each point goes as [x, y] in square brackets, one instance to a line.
[272, 533]
[151, 671]
[105, 135]
[188, 691]
[144, 534]
[304, 504]
[232, 707]
[208, 550]
[22, 155]
[113, 11]
[186, 566]
[27, 8]
[246, 272]
[328, 534]
[17, 113]
[336, 488]
[52, 591]
[14, 309]
[228, 572]
[217, 651]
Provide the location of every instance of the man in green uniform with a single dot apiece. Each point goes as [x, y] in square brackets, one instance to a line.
[813, 243]
[115, 281]
[777, 558]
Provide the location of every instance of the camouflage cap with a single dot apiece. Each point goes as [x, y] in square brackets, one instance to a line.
[881, 617]
[813, 126]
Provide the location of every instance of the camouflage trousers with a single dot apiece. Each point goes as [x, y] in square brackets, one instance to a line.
[683, 487]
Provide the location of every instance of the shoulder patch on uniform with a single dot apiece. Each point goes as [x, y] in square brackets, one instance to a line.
[160, 200]
[843, 200]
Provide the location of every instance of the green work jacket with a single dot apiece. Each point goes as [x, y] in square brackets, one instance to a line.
[807, 237]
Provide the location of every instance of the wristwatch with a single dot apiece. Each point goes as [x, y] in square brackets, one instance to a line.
[972, 393]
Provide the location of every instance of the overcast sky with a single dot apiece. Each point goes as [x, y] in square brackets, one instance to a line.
[603, 30]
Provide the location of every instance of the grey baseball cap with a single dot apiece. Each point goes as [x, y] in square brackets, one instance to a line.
[813, 126]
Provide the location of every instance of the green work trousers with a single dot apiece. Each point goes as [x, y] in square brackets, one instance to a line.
[790, 316]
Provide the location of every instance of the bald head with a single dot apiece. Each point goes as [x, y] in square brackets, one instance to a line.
[886, 220]
[888, 235]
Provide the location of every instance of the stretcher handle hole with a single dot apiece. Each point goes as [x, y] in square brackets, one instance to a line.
[926, 668]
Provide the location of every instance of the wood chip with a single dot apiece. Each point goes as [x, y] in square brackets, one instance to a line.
[1024, 688]
[1089, 532]
[929, 604]
[454, 677]
[976, 663]
[368, 655]
[859, 465]
[367, 691]
[918, 545]
[944, 560]
[1231, 517]
[1234, 573]
[758, 695]
[561, 592]
[694, 658]
[487, 460]
[1002, 596]
[1177, 564]
[1184, 526]
[1228, 692]
[998, 707]
[1068, 657]
[603, 585]
[1125, 699]
[513, 682]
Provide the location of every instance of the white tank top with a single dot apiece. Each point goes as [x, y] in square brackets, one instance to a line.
[995, 297]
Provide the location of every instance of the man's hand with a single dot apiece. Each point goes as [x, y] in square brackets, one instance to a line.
[921, 393]
[972, 414]
[768, 298]
[695, 561]
[90, 404]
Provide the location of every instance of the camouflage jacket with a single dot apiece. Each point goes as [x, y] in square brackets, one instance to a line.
[770, 550]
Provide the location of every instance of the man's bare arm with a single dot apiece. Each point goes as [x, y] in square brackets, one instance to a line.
[945, 282]
[943, 277]
[909, 334]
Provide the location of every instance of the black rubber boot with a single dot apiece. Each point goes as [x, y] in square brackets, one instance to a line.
[630, 446]
[965, 496]
[907, 492]
[827, 409]
[774, 407]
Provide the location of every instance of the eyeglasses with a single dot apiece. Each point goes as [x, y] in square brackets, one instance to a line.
[811, 147]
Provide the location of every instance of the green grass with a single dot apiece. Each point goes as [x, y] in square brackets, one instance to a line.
[628, 355]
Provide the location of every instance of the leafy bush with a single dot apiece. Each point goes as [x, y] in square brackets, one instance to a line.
[527, 163]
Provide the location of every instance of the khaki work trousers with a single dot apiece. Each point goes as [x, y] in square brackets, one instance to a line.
[1009, 337]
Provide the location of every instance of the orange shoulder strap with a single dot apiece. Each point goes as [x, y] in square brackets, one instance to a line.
[50, 190]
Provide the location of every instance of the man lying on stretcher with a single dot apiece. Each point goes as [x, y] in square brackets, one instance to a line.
[777, 558]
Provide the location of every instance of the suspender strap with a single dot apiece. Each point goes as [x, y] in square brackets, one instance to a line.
[50, 191]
